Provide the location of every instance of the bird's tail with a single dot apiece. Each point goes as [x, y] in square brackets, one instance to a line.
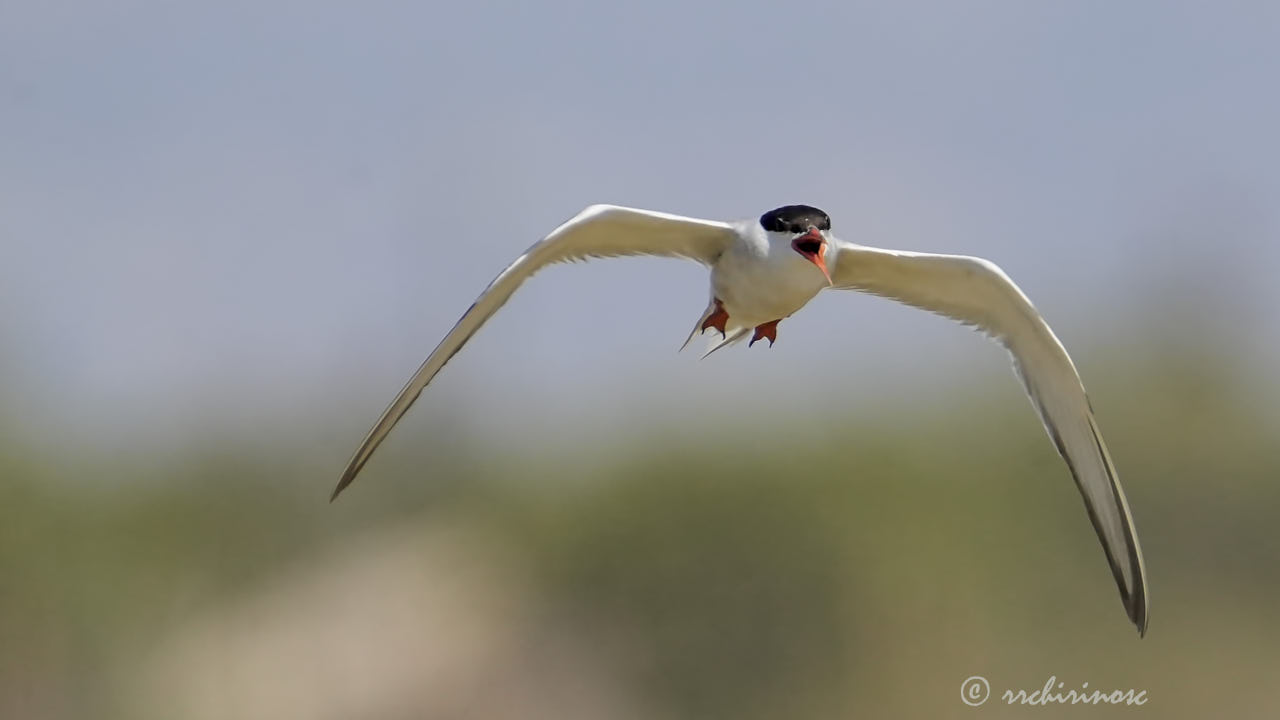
[697, 326]
[731, 336]
[735, 335]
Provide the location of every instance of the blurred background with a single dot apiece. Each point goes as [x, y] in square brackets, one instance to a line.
[230, 231]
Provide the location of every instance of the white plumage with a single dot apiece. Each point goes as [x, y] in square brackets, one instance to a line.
[762, 271]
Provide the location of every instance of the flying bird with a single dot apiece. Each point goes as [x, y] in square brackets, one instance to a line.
[765, 269]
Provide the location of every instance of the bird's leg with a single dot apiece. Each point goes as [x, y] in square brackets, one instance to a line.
[767, 331]
[716, 319]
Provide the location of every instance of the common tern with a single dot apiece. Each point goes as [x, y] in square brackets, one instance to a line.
[764, 270]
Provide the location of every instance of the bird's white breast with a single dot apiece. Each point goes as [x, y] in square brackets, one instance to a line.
[761, 278]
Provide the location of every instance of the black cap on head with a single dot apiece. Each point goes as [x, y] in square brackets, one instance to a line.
[795, 218]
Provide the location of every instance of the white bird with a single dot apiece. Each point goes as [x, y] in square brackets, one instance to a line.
[763, 270]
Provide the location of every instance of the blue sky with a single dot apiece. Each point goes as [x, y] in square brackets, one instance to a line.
[233, 213]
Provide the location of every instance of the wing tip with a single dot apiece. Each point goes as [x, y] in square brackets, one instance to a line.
[1135, 597]
[348, 476]
[1136, 603]
[342, 485]
[1136, 607]
[1138, 615]
[1133, 588]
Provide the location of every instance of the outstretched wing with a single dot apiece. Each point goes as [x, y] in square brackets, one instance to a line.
[978, 293]
[598, 231]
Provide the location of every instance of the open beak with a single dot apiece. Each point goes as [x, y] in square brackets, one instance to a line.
[814, 249]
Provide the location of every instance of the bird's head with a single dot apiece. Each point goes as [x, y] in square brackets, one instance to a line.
[806, 228]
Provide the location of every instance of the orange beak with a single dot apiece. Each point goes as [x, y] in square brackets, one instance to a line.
[814, 249]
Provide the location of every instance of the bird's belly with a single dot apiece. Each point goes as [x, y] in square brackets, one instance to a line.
[752, 298]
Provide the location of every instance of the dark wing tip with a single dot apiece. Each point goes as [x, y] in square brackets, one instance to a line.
[1138, 614]
[347, 476]
[342, 484]
[1134, 598]
[1137, 604]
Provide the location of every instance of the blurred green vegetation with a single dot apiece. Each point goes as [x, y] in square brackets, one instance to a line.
[866, 565]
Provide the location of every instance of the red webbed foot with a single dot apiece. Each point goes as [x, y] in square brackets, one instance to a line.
[767, 331]
[717, 319]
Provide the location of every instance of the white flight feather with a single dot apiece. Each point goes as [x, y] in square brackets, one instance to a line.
[976, 292]
[598, 231]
